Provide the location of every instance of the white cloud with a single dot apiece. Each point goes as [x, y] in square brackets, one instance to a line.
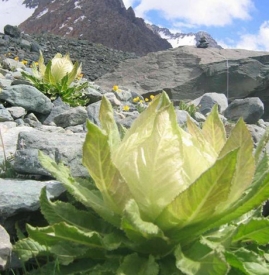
[256, 42]
[129, 3]
[196, 12]
[13, 12]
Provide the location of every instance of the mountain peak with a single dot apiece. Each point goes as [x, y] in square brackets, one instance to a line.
[107, 22]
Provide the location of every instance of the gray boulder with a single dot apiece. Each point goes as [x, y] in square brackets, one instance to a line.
[126, 119]
[16, 112]
[256, 132]
[93, 94]
[12, 65]
[28, 97]
[12, 31]
[5, 115]
[5, 248]
[58, 107]
[208, 100]
[66, 147]
[250, 109]
[73, 117]
[32, 121]
[19, 195]
[10, 134]
[25, 44]
[93, 112]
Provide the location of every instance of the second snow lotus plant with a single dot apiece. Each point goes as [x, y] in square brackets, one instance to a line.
[58, 78]
[165, 200]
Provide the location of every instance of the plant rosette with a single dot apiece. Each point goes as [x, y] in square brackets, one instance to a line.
[164, 200]
[58, 78]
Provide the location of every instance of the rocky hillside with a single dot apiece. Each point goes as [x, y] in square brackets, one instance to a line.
[96, 59]
[107, 22]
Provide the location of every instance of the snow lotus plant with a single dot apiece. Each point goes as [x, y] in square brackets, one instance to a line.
[165, 201]
[57, 78]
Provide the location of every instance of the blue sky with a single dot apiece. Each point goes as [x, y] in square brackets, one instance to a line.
[232, 23]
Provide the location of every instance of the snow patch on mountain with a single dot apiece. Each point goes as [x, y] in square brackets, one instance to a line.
[182, 39]
[13, 12]
[42, 13]
[179, 40]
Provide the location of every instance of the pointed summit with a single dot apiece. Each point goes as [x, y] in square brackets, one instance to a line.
[107, 22]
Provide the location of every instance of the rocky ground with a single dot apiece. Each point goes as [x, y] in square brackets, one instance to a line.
[96, 59]
[31, 122]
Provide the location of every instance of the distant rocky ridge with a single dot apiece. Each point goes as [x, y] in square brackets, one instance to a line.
[181, 39]
[107, 22]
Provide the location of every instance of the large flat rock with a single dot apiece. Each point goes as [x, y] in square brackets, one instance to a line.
[188, 72]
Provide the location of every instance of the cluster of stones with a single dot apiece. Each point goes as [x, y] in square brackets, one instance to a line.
[96, 59]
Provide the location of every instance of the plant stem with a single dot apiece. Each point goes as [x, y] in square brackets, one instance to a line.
[4, 151]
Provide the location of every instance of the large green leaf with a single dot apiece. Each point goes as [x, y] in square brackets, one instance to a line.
[136, 265]
[254, 197]
[108, 123]
[28, 248]
[41, 65]
[81, 267]
[62, 232]
[74, 73]
[255, 230]
[168, 266]
[200, 141]
[240, 138]
[261, 145]
[48, 77]
[66, 253]
[146, 237]
[213, 130]
[247, 261]
[56, 212]
[137, 229]
[97, 159]
[258, 193]
[208, 262]
[86, 196]
[198, 202]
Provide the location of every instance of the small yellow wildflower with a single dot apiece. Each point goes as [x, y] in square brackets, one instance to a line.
[146, 99]
[136, 99]
[141, 101]
[125, 108]
[115, 88]
[24, 62]
[151, 97]
[16, 58]
[80, 76]
[36, 63]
